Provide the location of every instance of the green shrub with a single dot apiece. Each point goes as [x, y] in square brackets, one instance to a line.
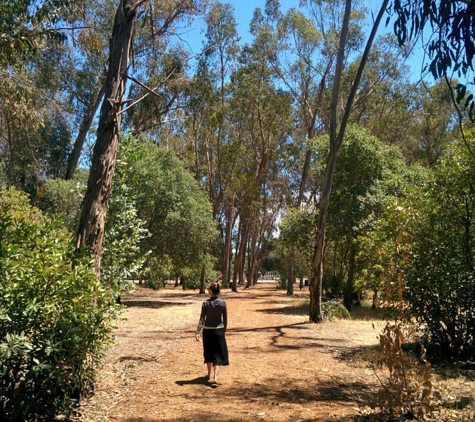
[334, 309]
[55, 315]
[64, 198]
[438, 256]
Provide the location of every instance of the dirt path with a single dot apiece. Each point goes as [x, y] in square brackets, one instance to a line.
[281, 367]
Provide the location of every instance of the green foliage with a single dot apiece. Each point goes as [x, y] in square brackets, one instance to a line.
[157, 271]
[63, 198]
[439, 279]
[26, 24]
[55, 315]
[383, 245]
[280, 281]
[452, 48]
[333, 309]
[420, 253]
[368, 173]
[297, 231]
[123, 258]
[176, 212]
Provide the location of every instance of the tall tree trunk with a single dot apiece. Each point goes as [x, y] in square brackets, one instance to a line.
[347, 298]
[252, 258]
[203, 280]
[303, 182]
[316, 274]
[251, 261]
[227, 245]
[290, 275]
[94, 208]
[73, 159]
[336, 139]
[242, 253]
[311, 130]
[237, 261]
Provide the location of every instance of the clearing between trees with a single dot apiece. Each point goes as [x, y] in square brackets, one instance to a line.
[282, 368]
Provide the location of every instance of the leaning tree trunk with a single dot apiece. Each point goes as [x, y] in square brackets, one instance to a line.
[94, 208]
[73, 159]
[336, 139]
[316, 274]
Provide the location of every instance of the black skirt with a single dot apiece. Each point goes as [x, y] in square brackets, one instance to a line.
[215, 349]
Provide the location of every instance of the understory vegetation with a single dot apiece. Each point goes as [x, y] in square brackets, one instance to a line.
[56, 316]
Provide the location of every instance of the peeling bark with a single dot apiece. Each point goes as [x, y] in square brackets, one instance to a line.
[94, 208]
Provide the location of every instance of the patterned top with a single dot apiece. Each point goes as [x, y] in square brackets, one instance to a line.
[213, 314]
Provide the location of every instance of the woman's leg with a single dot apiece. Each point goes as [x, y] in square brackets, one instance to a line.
[209, 366]
[216, 373]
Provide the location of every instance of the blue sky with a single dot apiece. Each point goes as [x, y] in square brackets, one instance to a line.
[244, 10]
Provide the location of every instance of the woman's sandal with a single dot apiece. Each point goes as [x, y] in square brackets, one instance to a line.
[214, 384]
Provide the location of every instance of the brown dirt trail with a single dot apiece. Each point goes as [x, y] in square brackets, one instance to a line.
[281, 367]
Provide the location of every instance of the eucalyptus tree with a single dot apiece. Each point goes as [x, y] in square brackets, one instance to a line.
[91, 226]
[296, 234]
[212, 154]
[260, 116]
[420, 119]
[291, 43]
[387, 101]
[82, 71]
[157, 100]
[55, 87]
[436, 123]
[33, 133]
[302, 47]
[337, 128]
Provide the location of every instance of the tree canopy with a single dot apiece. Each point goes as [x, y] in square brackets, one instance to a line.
[449, 26]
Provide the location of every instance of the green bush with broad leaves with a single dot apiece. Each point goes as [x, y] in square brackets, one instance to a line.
[55, 315]
[333, 309]
[439, 270]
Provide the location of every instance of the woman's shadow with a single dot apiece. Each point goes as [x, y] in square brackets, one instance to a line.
[196, 381]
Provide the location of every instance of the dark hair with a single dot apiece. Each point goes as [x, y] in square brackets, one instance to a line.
[215, 288]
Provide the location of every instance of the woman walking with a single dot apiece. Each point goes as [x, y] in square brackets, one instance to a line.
[214, 320]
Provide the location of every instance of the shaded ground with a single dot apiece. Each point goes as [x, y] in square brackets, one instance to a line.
[281, 367]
